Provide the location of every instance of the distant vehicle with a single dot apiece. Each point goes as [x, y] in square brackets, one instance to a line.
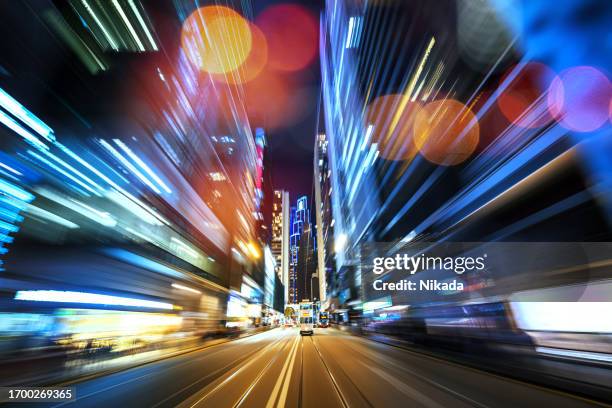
[306, 318]
[323, 319]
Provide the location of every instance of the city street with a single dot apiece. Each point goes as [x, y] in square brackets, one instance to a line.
[305, 203]
[281, 368]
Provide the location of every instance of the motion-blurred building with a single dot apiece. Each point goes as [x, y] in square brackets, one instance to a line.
[280, 236]
[127, 209]
[307, 283]
[426, 144]
[326, 265]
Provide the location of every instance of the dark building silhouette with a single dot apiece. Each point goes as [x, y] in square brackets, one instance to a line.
[307, 284]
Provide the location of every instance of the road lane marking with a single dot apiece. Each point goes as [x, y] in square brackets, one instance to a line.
[333, 379]
[343, 372]
[281, 377]
[230, 343]
[283, 396]
[235, 373]
[256, 380]
[209, 375]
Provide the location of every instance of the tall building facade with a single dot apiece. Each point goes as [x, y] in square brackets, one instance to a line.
[300, 215]
[279, 244]
[307, 284]
[326, 266]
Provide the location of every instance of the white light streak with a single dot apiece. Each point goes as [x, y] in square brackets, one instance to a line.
[142, 165]
[186, 288]
[49, 216]
[89, 298]
[129, 165]
[9, 168]
[20, 112]
[21, 131]
[185, 247]
[129, 25]
[143, 25]
[93, 214]
[93, 15]
[63, 172]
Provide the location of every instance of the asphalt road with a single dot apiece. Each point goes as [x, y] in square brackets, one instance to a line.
[279, 368]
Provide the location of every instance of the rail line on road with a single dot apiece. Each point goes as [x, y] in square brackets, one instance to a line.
[331, 376]
[256, 381]
[233, 374]
[348, 378]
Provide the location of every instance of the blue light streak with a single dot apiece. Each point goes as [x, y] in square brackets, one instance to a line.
[59, 296]
[19, 111]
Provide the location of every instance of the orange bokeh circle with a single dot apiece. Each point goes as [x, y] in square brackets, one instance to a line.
[292, 35]
[216, 39]
[392, 126]
[446, 132]
[254, 63]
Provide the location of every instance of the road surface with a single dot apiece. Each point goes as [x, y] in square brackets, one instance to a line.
[279, 368]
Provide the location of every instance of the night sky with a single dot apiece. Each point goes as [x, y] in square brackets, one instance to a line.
[291, 148]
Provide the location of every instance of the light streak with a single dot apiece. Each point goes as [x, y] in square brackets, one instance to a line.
[86, 165]
[62, 171]
[98, 216]
[73, 170]
[408, 93]
[569, 317]
[15, 191]
[60, 296]
[21, 131]
[20, 112]
[587, 355]
[110, 39]
[9, 168]
[186, 288]
[185, 247]
[129, 165]
[349, 34]
[143, 25]
[42, 213]
[127, 195]
[367, 137]
[132, 207]
[129, 25]
[142, 165]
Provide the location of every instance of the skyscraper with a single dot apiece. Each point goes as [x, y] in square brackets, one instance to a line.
[324, 219]
[280, 236]
[300, 216]
[306, 277]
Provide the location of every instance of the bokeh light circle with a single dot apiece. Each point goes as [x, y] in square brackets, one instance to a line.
[216, 39]
[523, 102]
[254, 63]
[292, 35]
[579, 99]
[446, 132]
[393, 134]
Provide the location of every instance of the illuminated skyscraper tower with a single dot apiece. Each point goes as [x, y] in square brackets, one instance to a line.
[300, 216]
[280, 236]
